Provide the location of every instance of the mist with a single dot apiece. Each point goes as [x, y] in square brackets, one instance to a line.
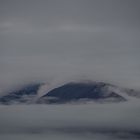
[62, 40]
[59, 41]
[71, 121]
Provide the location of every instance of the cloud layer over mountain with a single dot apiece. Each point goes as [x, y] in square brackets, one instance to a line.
[59, 40]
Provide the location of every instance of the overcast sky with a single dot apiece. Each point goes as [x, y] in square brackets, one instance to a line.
[65, 39]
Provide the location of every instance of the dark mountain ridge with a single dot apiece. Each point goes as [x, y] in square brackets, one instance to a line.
[80, 91]
[23, 95]
[68, 93]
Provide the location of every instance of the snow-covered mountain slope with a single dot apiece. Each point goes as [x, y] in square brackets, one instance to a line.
[74, 92]
[26, 94]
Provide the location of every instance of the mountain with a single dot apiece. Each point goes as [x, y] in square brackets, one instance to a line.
[24, 95]
[75, 92]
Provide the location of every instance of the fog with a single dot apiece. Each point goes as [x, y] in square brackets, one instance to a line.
[59, 40]
[75, 122]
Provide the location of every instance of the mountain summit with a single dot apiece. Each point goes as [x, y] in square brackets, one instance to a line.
[74, 92]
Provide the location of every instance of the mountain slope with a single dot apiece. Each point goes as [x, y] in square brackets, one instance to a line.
[73, 92]
[70, 92]
[23, 95]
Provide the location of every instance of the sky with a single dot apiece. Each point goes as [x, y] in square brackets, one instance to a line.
[62, 40]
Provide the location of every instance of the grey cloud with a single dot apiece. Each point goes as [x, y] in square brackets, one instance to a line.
[96, 39]
[87, 121]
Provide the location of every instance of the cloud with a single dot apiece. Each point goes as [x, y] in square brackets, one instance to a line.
[69, 39]
[87, 121]
[58, 41]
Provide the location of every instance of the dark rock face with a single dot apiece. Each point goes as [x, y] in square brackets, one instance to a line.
[71, 92]
[78, 91]
[22, 95]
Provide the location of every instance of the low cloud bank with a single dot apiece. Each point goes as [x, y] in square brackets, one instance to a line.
[78, 122]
